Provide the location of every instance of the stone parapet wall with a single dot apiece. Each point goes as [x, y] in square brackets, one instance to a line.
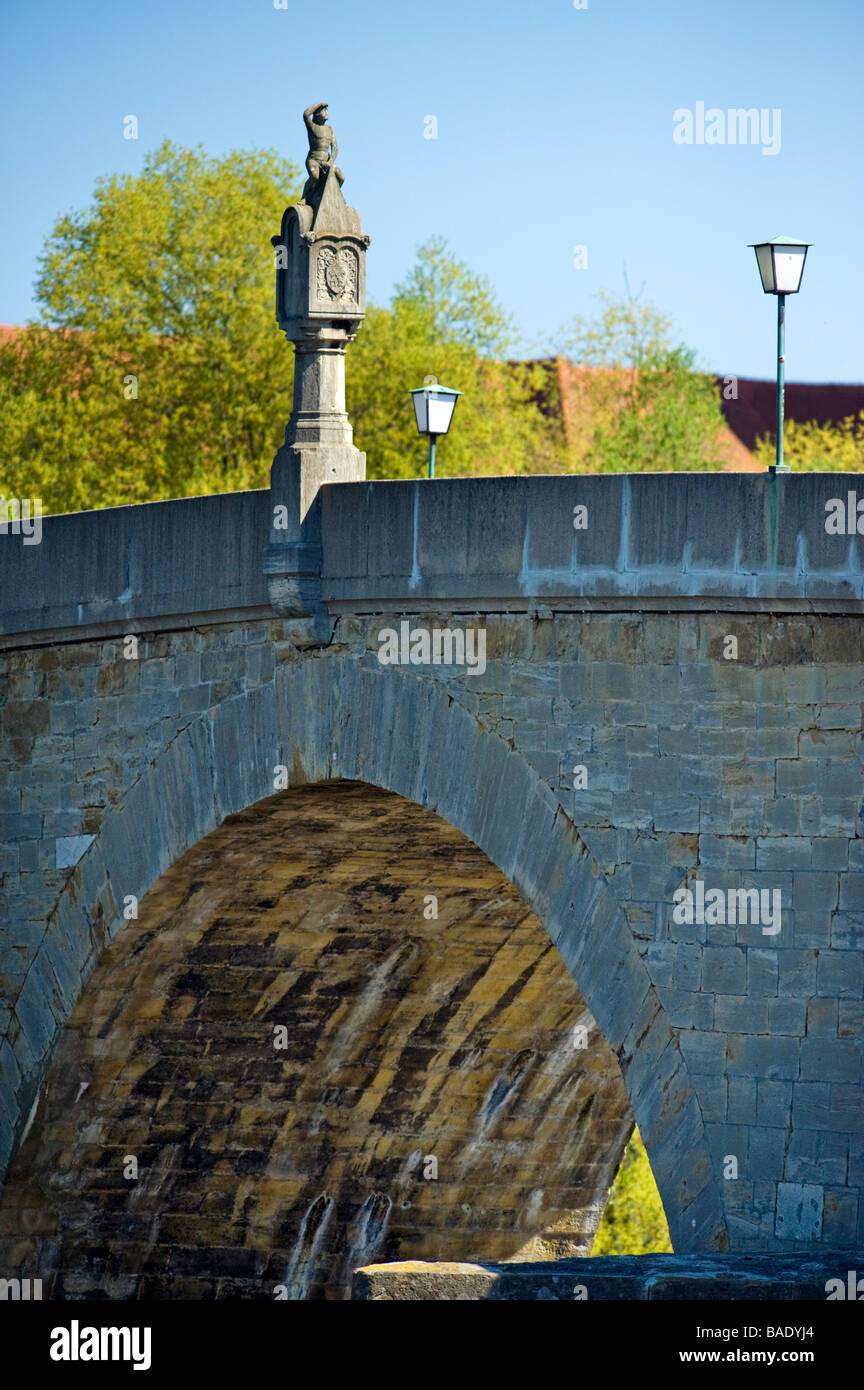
[643, 1278]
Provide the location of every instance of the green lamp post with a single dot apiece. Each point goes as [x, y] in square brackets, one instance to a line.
[433, 408]
[781, 265]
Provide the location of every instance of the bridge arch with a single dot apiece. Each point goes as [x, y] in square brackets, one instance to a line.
[334, 1033]
[330, 716]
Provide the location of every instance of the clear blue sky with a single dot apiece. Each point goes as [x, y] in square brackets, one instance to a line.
[555, 129]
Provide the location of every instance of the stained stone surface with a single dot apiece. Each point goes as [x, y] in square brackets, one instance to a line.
[605, 650]
[752, 1278]
[407, 1038]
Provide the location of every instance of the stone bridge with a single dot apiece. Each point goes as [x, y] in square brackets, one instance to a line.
[319, 947]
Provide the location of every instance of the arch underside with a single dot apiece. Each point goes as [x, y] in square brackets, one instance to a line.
[335, 1033]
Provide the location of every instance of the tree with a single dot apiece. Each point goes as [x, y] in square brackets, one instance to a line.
[634, 1222]
[444, 321]
[164, 372]
[815, 448]
[642, 406]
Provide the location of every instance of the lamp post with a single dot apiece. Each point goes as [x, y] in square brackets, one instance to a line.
[781, 265]
[433, 408]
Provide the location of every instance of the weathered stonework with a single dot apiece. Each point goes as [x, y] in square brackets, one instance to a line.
[643, 1278]
[425, 1099]
[743, 773]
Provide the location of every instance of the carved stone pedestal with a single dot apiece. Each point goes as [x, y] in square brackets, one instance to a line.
[320, 304]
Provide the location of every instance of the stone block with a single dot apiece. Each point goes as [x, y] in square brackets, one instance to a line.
[840, 974]
[715, 815]
[687, 1009]
[847, 931]
[784, 852]
[724, 970]
[847, 1113]
[688, 967]
[826, 1059]
[741, 1100]
[660, 961]
[769, 1059]
[20, 827]
[815, 892]
[783, 817]
[839, 1219]
[787, 1016]
[762, 972]
[813, 777]
[811, 1105]
[727, 851]
[704, 1052]
[747, 813]
[829, 817]
[70, 848]
[735, 1014]
[675, 812]
[765, 1155]
[711, 1094]
[799, 1211]
[696, 777]
[822, 1018]
[819, 743]
[850, 1020]
[811, 931]
[851, 892]
[632, 811]
[816, 1156]
[796, 973]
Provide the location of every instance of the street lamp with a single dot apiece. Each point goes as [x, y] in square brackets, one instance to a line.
[781, 265]
[433, 407]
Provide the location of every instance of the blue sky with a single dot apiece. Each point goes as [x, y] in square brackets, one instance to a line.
[555, 130]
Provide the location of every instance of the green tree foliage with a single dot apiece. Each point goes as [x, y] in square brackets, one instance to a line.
[634, 1222]
[644, 408]
[815, 448]
[164, 288]
[444, 321]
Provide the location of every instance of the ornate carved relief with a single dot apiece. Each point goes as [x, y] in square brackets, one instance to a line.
[337, 279]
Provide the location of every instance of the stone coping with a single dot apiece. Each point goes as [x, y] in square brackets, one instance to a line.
[796, 1277]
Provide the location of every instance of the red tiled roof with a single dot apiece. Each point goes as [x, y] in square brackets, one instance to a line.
[736, 457]
[752, 413]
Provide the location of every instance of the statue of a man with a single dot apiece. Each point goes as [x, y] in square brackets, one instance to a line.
[322, 152]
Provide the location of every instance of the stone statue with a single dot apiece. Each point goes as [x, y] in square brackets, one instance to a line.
[323, 150]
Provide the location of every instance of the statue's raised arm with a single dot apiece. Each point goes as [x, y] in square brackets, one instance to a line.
[322, 152]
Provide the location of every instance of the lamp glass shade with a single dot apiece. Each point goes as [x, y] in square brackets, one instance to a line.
[433, 408]
[781, 264]
[440, 413]
[421, 410]
[788, 268]
[765, 261]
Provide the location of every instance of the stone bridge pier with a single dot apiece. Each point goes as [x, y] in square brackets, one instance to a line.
[367, 938]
